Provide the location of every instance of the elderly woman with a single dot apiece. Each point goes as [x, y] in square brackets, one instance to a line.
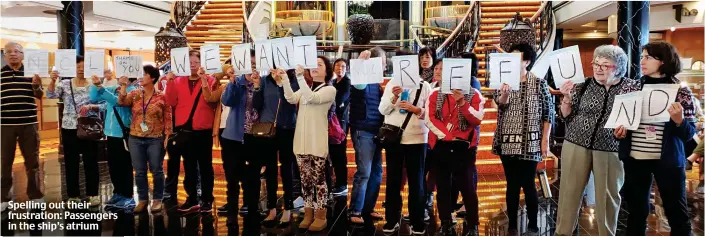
[588, 146]
[656, 149]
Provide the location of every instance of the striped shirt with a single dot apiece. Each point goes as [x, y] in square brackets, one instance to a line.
[647, 141]
[17, 98]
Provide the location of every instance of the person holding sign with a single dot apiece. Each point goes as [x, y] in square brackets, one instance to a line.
[656, 148]
[195, 115]
[589, 147]
[74, 93]
[19, 122]
[151, 125]
[407, 148]
[524, 123]
[311, 137]
[452, 119]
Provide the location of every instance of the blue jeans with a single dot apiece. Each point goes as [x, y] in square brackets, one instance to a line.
[144, 151]
[368, 176]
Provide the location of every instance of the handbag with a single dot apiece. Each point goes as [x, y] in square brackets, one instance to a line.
[389, 134]
[184, 132]
[89, 127]
[336, 135]
[266, 129]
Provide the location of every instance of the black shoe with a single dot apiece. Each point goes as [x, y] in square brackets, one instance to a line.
[512, 232]
[447, 229]
[418, 230]
[224, 208]
[189, 207]
[243, 211]
[206, 207]
[340, 191]
[470, 230]
[390, 228]
[531, 232]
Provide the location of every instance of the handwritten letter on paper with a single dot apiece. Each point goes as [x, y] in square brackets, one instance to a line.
[626, 111]
[180, 63]
[366, 71]
[305, 51]
[210, 58]
[36, 61]
[263, 55]
[657, 98]
[241, 59]
[283, 50]
[129, 66]
[406, 71]
[567, 66]
[505, 68]
[456, 75]
[94, 63]
[65, 61]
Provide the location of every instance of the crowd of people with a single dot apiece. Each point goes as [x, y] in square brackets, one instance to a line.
[300, 118]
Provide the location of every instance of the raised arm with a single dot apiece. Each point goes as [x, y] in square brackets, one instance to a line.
[389, 100]
[232, 93]
[289, 94]
[211, 92]
[125, 99]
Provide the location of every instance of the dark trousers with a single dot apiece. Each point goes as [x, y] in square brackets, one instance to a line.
[289, 169]
[413, 155]
[256, 150]
[339, 160]
[74, 150]
[173, 168]
[28, 138]
[671, 184]
[198, 160]
[520, 174]
[120, 167]
[234, 168]
[455, 160]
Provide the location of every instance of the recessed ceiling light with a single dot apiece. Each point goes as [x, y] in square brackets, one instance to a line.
[120, 29]
[673, 28]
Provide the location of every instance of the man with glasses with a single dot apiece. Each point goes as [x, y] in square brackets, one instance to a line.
[19, 122]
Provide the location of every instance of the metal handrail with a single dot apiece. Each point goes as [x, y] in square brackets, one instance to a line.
[182, 12]
[460, 26]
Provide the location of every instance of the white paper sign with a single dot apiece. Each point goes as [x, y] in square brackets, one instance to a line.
[210, 58]
[505, 68]
[94, 63]
[129, 66]
[263, 55]
[305, 51]
[241, 59]
[456, 75]
[686, 63]
[626, 111]
[180, 63]
[368, 71]
[567, 66]
[65, 61]
[657, 99]
[283, 50]
[36, 61]
[406, 71]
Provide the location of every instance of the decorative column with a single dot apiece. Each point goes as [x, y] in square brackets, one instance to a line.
[70, 31]
[633, 32]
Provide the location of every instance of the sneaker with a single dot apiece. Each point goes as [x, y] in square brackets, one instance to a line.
[4, 206]
[223, 209]
[73, 200]
[94, 201]
[340, 191]
[377, 216]
[206, 207]
[189, 206]
[299, 202]
[390, 228]
[156, 206]
[418, 231]
[126, 205]
[426, 217]
[114, 199]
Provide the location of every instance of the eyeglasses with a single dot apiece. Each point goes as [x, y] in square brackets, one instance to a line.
[649, 57]
[602, 67]
[14, 51]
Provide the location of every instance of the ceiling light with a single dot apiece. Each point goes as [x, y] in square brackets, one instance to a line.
[594, 31]
[120, 29]
[673, 28]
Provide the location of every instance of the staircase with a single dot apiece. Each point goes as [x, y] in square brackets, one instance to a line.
[217, 22]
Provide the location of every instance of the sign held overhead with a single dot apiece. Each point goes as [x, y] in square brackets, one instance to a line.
[567, 66]
[368, 71]
[180, 63]
[36, 61]
[129, 66]
[65, 61]
[505, 68]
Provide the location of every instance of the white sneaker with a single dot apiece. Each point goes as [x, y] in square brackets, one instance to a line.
[299, 202]
[94, 201]
[4, 206]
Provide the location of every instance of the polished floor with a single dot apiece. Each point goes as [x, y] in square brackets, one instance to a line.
[491, 194]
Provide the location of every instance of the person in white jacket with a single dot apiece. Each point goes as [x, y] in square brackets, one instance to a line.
[410, 150]
[311, 136]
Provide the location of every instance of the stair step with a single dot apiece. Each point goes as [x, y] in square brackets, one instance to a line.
[512, 9]
[237, 27]
[215, 38]
[491, 42]
[223, 2]
[495, 21]
[212, 33]
[490, 28]
[222, 5]
[221, 11]
[217, 21]
[489, 34]
[505, 14]
[219, 16]
[512, 3]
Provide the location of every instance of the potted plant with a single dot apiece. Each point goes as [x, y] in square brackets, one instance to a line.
[360, 24]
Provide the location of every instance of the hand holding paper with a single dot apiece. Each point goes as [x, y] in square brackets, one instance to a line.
[676, 112]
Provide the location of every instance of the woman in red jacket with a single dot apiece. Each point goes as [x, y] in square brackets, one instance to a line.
[452, 119]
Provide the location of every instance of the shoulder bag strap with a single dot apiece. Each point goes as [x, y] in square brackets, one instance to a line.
[416, 100]
[119, 119]
[276, 116]
[193, 109]
[73, 99]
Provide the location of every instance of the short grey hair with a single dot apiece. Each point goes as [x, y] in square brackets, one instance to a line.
[11, 43]
[614, 54]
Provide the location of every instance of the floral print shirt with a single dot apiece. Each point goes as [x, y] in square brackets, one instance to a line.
[157, 117]
[72, 104]
[251, 114]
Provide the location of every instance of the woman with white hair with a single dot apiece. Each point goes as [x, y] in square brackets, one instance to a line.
[588, 146]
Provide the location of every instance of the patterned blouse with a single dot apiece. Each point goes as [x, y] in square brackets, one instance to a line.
[251, 114]
[158, 114]
[72, 104]
[520, 122]
[591, 105]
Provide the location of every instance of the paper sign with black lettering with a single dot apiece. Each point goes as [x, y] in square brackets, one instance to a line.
[505, 68]
[626, 111]
[180, 62]
[241, 59]
[36, 61]
[129, 66]
[567, 66]
[210, 59]
[368, 71]
[406, 71]
[657, 99]
[283, 50]
[456, 75]
[305, 51]
[94, 63]
[263, 55]
[65, 61]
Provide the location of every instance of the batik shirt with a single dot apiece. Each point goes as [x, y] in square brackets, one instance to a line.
[74, 98]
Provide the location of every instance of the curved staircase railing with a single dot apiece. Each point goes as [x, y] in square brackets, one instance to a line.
[182, 12]
[451, 43]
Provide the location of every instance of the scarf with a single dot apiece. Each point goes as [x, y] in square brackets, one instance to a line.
[463, 123]
[427, 74]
